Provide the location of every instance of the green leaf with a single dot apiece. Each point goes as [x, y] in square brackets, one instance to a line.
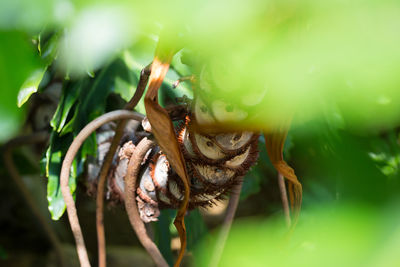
[371, 239]
[69, 97]
[162, 234]
[54, 158]
[81, 102]
[195, 227]
[94, 92]
[30, 86]
[38, 39]
[127, 87]
[179, 67]
[17, 61]
[386, 153]
[28, 15]
[49, 50]
[136, 66]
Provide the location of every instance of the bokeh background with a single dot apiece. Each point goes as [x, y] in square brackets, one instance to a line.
[332, 67]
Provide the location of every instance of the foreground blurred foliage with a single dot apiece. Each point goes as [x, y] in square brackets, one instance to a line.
[334, 65]
[349, 235]
[17, 61]
[350, 214]
[307, 57]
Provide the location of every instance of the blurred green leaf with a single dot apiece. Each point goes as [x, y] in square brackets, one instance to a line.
[178, 66]
[94, 37]
[25, 14]
[263, 56]
[346, 235]
[17, 61]
[49, 50]
[125, 85]
[30, 86]
[385, 151]
[48, 53]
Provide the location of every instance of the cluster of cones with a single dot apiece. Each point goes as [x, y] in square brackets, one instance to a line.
[215, 163]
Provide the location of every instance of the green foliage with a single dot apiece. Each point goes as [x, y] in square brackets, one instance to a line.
[54, 157]
[48, 52]
[291, 56]
[17, 62]
[27, 15]
[346, 235]
[82, 101]
[30, 86]
[386, 153]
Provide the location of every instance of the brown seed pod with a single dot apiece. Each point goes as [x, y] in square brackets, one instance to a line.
[233, 141]
[215, 164]
[243, 162]
[203, 114]
[147, 187]
[147, 211]
[216, 175]
[185, 143]
[159, 171]
[204, 147]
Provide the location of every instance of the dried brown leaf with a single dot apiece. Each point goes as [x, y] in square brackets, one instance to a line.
[164, 133]
[274, 141]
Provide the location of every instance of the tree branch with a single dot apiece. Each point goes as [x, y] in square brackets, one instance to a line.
[144, 76]
[131, 205]
[65, 172]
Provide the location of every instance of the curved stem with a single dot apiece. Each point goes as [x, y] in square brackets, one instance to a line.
[284, 198]
[65, 172]
[13, 172]
[131, 205]
[101, 240]
[226, 226]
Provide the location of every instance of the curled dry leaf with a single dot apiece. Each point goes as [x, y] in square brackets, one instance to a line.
[274, 141]
[163, 130]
